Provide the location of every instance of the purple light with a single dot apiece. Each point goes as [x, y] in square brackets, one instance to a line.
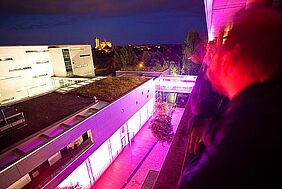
[177, 84]
[93, 167]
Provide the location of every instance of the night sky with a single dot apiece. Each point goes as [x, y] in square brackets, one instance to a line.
[38, 22]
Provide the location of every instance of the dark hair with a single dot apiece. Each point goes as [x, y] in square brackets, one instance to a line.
[258, 32]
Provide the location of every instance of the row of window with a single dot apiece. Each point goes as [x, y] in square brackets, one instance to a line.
[81, 66]
[36, 51]
[76, 48]
[10, 77]
[39, 62]
[17, 76]
[40, 75]
[43, 62]
[55, 163]
[19, 69]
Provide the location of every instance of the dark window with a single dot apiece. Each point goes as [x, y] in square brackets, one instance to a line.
[19, 69]
[84, 55]
[85, 136]
[6, 59]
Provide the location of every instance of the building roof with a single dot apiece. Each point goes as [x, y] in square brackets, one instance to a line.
[110, 88]
[43, 111]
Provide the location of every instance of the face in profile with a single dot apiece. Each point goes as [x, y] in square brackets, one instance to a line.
[215, 73]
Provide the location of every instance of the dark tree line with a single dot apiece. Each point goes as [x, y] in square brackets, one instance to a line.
[182, 59]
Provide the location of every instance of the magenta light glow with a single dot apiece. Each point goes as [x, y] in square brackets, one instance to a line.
[93, 167]
[134, 124]
[79, 178]
[116, 145]
[144, 114]
[175, 86]
[100, 160]
[178, 84]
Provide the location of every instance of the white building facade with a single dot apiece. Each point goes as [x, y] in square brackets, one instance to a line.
[72, 60]
[24, 71]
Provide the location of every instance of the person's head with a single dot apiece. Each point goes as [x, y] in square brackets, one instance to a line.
[210, 51]
[251, 53]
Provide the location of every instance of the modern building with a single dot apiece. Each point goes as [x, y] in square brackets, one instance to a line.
[72, 60]
[82, 126]
[82, 142]
[27, 71]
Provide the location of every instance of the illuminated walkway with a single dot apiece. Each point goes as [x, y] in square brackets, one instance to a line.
[135, 161]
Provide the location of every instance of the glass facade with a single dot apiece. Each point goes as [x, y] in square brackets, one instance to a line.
[67, 60]
[94, 166]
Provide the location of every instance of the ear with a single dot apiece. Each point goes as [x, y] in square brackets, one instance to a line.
[230, 58]
[226, 62]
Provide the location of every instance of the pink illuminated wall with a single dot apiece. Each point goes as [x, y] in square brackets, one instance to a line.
[115, 143]
[77, 179]
[91, 169]
[134, 124]
[100, 160]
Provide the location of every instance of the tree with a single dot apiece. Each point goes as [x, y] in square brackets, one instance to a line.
[123, 57]
[162, 108]
[161, 125]
[152, 59]
[192, 46]
[161, 128]
[146, 58]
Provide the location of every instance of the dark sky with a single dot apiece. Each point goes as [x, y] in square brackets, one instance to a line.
[80, 21]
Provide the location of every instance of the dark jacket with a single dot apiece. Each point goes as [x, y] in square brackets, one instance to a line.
[203, 101]
[246, 148]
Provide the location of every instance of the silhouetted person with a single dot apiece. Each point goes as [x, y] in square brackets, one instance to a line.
[245, 143]
[205, 105]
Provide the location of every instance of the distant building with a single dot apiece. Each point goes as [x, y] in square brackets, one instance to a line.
[104, 45]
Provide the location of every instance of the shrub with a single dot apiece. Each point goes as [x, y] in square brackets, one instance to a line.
[161, 128]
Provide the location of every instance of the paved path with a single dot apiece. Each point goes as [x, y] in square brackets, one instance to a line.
[131, 167]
